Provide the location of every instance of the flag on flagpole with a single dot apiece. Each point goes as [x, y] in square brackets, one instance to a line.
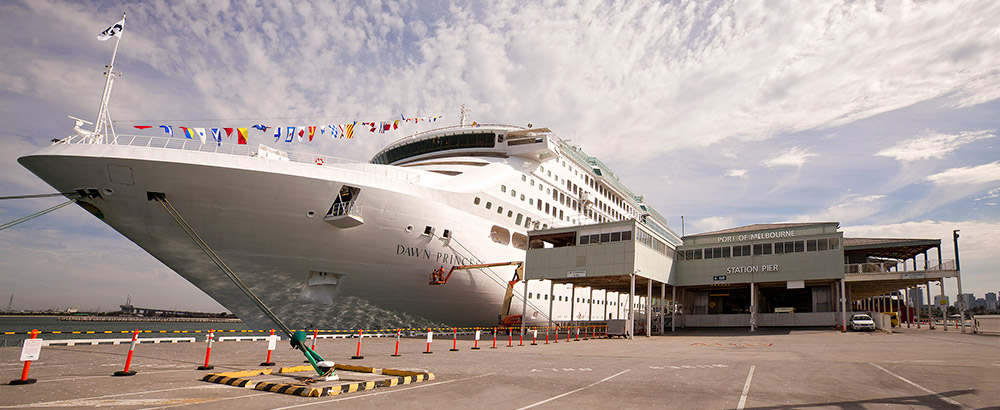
[229, 132]
[277, 134]
[290, 135]
[241, 136]
[114, 31]
[312, 131]
[188, 133]
[217, 136]
[349, 130]
[168, 129]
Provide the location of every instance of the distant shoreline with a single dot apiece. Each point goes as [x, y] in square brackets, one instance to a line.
[132, 319]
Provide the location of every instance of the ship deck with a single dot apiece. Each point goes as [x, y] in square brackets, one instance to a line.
[694, 368]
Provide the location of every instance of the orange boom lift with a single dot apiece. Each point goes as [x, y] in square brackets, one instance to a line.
[439, 277]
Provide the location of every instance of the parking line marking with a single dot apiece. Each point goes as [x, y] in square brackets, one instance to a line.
[378, 393]
[926, 390]
[746, 389]
[574, 391]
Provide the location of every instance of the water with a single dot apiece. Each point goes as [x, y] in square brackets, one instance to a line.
[22, 325]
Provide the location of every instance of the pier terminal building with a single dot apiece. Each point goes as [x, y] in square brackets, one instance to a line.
[781, 274]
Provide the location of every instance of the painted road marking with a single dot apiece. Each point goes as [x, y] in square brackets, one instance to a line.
[378, 393]
[696, 366]
[57, 402]
[574, 391]
[746, 389]
[926, 390]
[217, 399]
[570, 369]
[733, 344]
[104, 376]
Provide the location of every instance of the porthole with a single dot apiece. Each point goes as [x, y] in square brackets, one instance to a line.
[108, 191]
[311, 214]
[409, 228]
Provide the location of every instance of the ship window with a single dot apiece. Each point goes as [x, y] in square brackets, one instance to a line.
[539, 204]
[527, 222]
[529, 295]
[519, 218]
[522, 197]
[489, 205]
[503, 188]
[524, 177]
[532, 182]
[520, 241]
[476, 201]
[546, 208]
[513, 193]
[500, 235]
[499, 209]
[510, 214]
[531, 201]
[550, 173]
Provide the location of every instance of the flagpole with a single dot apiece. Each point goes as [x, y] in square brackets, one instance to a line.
[103, 116]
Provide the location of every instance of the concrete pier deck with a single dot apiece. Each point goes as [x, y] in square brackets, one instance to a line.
[694, 368]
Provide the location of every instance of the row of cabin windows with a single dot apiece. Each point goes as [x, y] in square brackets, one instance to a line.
[810, 245]
[560, 298]
[576, 206]
[510, 214]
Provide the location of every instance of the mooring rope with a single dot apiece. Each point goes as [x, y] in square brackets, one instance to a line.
[35, 215]
[39, 195]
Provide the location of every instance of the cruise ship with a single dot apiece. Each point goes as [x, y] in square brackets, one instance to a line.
[331, 243]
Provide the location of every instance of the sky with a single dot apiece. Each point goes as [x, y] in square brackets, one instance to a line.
[880, 115]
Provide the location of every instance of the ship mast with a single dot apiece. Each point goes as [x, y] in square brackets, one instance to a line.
[103, 125]
[465, 114]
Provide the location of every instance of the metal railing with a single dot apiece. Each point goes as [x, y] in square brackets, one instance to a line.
[243, 150]
[895, 267]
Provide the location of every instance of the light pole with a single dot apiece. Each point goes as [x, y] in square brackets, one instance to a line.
[958, 272]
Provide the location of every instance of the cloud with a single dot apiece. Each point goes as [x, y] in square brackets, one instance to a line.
[713, 223]
[795, 157]
[980, 174]
[932, 145]
[850, 209]
[738, 173]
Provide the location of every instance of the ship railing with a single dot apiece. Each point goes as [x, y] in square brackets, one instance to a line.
[244, 150]
[346, 209]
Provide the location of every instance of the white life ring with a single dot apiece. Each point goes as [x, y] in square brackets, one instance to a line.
[319, 161]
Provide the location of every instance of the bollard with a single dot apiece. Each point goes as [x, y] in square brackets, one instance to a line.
[270, 348]
[128, 359]
[358, 354]
[476, 346]
[454, 339]
[25, 354]
[546, 335]
[315, 336]
[577, 339]
[510, 338]
[430, 337]
[557, 333]
[208, 351]
[534, 336]
[396, 354]
[521, 336]
[494, 338]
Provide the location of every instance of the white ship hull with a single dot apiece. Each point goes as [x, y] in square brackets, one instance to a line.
[265, 219]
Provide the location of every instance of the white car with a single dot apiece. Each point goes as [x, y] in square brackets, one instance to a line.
[862, 321]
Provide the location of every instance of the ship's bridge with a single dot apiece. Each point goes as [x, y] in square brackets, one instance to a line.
[488, 141]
